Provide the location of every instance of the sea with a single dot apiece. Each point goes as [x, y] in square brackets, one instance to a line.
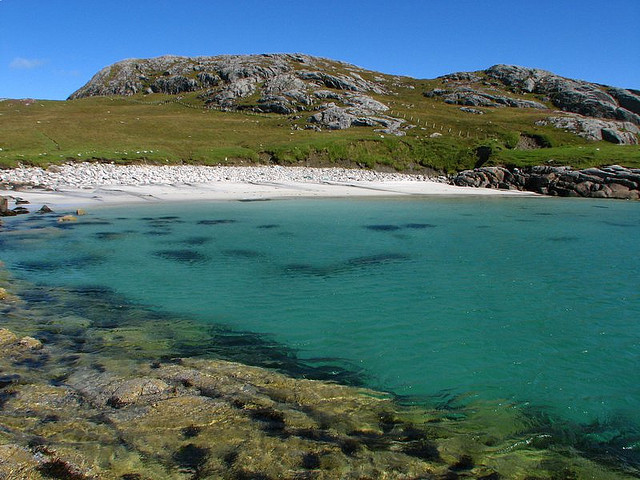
[526, 303]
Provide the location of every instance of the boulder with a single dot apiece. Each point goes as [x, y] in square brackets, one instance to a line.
[137, 389]
[333, 117]
[45, 209]
[626, 99]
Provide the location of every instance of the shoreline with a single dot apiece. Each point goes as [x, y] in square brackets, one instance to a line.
[91, 184]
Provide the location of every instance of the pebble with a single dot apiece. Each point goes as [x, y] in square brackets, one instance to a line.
[87, 175]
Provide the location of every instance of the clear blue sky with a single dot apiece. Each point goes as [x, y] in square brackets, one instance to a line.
[49, 48]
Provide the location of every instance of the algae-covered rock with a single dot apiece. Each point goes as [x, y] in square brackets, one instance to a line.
[17, 463]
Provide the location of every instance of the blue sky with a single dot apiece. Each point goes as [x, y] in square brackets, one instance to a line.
[49, 48]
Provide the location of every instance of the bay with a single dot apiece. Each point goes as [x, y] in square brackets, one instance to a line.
[529, 302]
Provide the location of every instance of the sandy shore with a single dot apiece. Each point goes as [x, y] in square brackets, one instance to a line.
[89, 184]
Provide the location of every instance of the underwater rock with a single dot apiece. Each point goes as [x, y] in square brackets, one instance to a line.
[45, 209]
[132, 391]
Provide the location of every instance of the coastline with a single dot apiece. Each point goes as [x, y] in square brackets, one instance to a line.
[92, 184]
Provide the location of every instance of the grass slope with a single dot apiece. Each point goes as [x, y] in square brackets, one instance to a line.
[157, 129]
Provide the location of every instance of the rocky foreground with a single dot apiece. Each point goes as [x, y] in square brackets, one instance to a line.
[91, 391]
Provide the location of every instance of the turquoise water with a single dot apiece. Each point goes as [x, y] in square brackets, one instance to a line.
[532, 302]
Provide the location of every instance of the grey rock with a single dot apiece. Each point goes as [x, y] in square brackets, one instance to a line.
[624, 133]
[365, 102]
[275, 104]
[475, 98]
[333, 117]
[575, 96]
[608, 182]
[472, 110]
[626, 99]
[174, 85]
[460, 77]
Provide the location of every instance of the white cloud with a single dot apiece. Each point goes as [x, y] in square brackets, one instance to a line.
[20, 63]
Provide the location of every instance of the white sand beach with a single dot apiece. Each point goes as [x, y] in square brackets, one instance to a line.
[90, 184]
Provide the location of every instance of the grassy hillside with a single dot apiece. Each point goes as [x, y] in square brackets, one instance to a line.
[155, 128]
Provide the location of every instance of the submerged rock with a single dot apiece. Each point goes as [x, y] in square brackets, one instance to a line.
[111, 414]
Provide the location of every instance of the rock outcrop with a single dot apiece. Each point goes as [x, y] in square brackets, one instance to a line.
[622, 133]
[608, 182]
[595, 112]
[574, 96]
[476, 98]
[278, 83]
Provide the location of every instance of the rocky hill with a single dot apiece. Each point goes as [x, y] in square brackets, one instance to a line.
[596, 112]
[336, 95]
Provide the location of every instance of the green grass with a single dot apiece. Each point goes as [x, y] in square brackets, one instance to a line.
[156, 129]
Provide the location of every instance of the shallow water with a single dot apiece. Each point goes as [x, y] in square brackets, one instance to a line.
[528, 302]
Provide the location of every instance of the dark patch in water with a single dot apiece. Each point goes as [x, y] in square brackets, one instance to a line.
[271, 420]
[5, 397]
[61, 470]
[216, 222]
[310, 461]
[33, 362]
[163, 223]
[169, 217]
[268, 226]
[59, 264]
[158, 233]
[419, 226]
[305, 269]
[99, 367]
[605, 442]
[248, 200]
[108, 235]
[182, 256]
[6, 380]
[191, 458]
[241, 253]
[600, 206]
[382, 228]
[380, 259]
[230, 458]
[191, 431]
[350, 446]
[339, 268]
[465, 462]
[543, 214]
[422, 449]
[195, 241]
[619, 224]
[50, 419]
[563, 239]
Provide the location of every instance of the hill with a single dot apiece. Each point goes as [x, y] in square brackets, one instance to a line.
[298, 109]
